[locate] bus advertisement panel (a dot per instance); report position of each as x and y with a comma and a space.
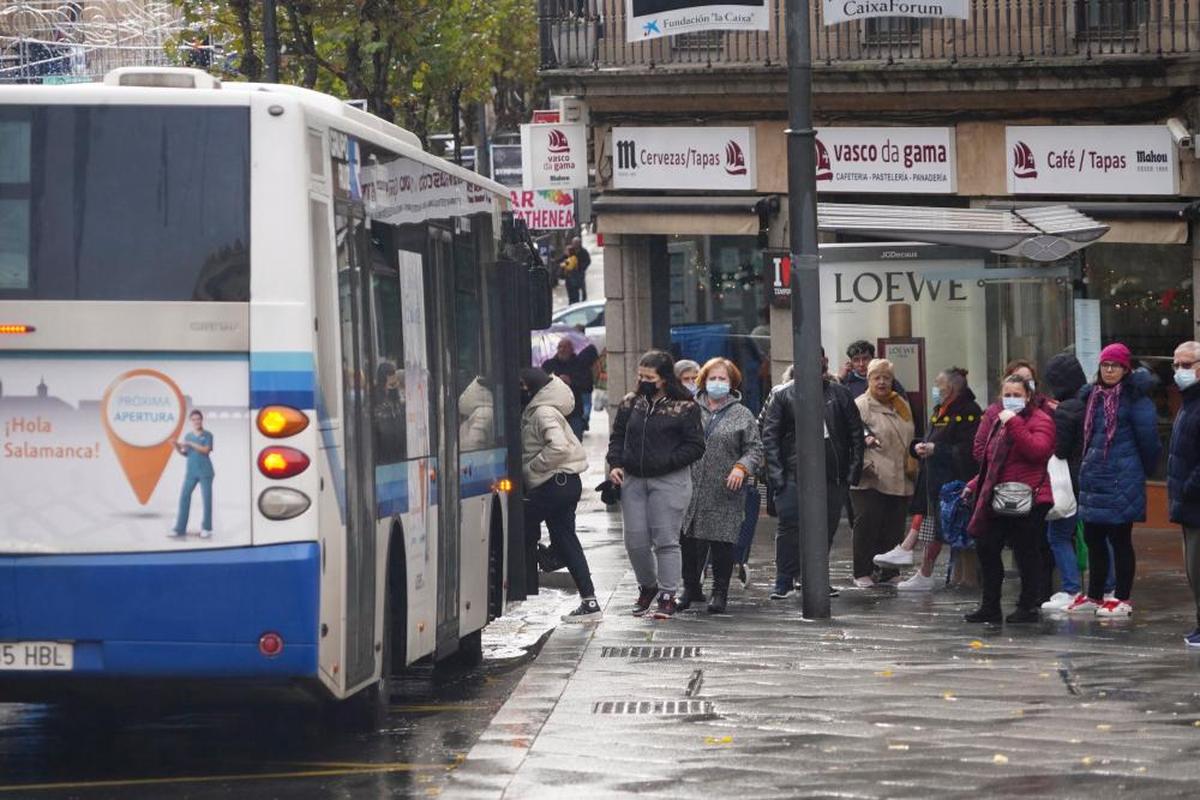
108, 454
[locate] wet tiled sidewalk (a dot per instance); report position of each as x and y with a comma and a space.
895, 697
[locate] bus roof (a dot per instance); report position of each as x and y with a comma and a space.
170, 86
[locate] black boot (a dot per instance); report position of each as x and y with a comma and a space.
1021, 615
984, 614
717, 604
688, 596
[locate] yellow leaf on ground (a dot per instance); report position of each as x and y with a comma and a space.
718, 740
1000, 759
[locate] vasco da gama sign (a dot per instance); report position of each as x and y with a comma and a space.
650, 19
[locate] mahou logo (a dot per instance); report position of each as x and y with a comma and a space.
558, 141
824, 167
1024, 165
735, 160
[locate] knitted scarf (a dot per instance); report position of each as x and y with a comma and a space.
1110, 397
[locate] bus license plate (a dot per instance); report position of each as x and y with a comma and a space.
36, 656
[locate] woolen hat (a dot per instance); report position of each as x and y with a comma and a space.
1118, 353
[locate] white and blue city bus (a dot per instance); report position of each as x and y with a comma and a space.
258, 357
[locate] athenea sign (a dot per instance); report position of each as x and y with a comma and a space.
684, 158
651, 19
1092, 159
835, 11
554, 156
903, 160
545, 209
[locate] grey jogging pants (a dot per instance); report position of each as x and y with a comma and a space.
652, 510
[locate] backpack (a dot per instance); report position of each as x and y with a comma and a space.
955, 514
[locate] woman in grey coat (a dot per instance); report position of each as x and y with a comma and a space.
733, 452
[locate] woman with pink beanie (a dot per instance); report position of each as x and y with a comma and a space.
1120, 448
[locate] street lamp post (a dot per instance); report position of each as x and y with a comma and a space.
271, 41
806, 316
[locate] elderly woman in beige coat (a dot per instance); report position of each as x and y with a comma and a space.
881, 496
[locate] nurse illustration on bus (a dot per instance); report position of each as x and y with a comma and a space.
195, 447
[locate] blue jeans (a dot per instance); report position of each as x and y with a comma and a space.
1061, 535
741, 553
587, 410
185, 502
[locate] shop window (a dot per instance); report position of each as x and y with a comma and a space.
1145, 294
1109, 19
891, 31
719, 306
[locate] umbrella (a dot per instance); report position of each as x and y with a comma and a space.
545, 343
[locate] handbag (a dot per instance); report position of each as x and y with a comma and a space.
1012, 499
956, 514
1064, 493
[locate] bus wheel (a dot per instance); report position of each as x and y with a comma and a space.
470, 650
367, 710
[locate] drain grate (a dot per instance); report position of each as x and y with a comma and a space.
646, 707
647, 651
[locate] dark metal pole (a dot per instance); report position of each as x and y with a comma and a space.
806, 316
483, 153
271, 41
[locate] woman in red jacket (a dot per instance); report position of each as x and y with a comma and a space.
1017, 446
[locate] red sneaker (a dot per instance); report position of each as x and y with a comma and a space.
666, 606
1115, 609
644, 599
1083, 606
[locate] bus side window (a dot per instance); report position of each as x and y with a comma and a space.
15, 202
477, 397
389, 402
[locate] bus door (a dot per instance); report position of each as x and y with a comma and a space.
357, 379
441, 278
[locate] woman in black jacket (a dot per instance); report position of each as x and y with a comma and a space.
946, 456
656, 437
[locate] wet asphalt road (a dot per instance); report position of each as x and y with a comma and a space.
265, 751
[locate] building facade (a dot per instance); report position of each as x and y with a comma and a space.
1028, 103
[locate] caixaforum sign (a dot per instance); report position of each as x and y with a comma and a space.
903, 160
684, 158
651, 19
1091, 159
554, 156
835, 11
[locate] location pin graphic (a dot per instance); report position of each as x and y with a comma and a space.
143, 415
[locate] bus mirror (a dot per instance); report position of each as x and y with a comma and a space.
539, 298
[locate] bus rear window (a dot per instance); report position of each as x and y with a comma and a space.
125, 203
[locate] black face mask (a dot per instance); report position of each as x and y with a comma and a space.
526, 397
647, 389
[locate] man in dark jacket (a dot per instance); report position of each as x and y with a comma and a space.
854, 372
1183, 469
843, 466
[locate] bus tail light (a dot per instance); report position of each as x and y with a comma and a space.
503, 485
281, 462
8, 327
270, 644
281, 503
280, 421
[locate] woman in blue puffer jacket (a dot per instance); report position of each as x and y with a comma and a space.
1120, 448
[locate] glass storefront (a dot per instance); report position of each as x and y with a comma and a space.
719, 306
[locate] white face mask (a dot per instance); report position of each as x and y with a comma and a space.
1013, 404
937, 396
717, 389
691, 386
1185, 378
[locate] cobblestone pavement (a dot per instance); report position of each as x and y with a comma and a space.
895, 697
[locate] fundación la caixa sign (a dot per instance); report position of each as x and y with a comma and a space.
1092, 159
650, 19
684, 158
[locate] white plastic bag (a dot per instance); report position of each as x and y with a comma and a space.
1060, 485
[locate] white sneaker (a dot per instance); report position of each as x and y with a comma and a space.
1058, 602
917, 583
1115, 608
896, 557
864, 582
205, 534
1082, 606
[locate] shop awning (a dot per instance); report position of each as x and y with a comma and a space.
1042, 233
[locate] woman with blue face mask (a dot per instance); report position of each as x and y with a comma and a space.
1010, 498
732, 454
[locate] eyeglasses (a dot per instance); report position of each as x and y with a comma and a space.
1181, 365
1111, 365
